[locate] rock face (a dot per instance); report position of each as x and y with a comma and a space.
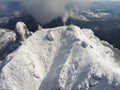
22, 32
69, 58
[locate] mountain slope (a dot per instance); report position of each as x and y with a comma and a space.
7, 38
62, 58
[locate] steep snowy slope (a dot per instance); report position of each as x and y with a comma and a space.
63, 58
7, 37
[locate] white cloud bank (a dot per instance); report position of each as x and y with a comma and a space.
46, 10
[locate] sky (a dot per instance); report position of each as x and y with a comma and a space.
68, 0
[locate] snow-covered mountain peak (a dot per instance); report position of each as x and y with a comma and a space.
62, 58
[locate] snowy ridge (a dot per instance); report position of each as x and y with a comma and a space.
62, 58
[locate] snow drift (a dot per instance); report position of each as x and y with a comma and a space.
62, 58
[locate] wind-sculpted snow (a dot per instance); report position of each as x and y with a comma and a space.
62, 58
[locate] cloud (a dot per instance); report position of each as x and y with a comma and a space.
46, 10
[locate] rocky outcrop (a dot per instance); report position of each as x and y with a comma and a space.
22, 32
